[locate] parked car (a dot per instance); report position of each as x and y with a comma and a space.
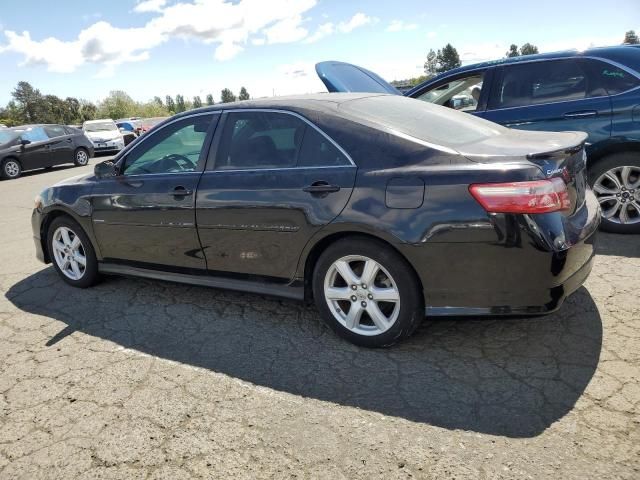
29, 147
2, 125
130, 130
379, 207
596, 91
147, 124
104, 134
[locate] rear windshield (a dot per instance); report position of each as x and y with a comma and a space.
430, 123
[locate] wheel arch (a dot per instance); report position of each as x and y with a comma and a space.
48, 217
615, 146
314, 251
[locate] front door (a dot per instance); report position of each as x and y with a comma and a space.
36, 153
145, 215
273, 182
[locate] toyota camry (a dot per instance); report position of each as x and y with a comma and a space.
381, 209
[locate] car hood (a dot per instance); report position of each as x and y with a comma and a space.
78, 179
104, 135
345, 77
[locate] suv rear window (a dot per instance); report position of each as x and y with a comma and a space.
421, 120
609, 78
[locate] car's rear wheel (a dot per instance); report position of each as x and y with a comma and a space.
72, 254
615, 180
81, 157
11, 168
367, 292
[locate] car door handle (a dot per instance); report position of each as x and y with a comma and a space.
581, 114
321, 187
69, 140
180, 191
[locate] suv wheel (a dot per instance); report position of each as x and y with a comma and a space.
367, 292
615, 180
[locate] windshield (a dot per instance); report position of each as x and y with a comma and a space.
99, 127
422, 121
7, 136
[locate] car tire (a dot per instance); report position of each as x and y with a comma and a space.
62, 237
11, 168
81, 157
381, 303
615, 180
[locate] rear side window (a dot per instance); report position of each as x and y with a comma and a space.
609, 79
540, 82
260, 140
54, 131
318, 151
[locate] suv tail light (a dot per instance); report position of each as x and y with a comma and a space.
539, 196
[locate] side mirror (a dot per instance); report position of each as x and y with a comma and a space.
105, 169
24, 141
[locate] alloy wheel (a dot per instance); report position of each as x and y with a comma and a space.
69, 253
618, 191
81, 157
11, 168
362, 295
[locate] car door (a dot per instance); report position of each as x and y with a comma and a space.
553, 95
35, 152
272, 181
60, 145
145, 214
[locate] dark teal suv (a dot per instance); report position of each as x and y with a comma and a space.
596, 91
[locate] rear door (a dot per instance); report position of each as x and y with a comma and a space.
60, 145
272, 181
552, 95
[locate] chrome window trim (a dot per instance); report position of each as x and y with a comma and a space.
276, 169
588, 57
123, 153
304, 119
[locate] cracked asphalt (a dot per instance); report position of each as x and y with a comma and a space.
141, 379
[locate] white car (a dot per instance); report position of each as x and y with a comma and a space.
104, 134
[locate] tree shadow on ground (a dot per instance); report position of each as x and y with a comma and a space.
511, 377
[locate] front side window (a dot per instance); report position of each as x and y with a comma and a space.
540, 82
260, 140
35, 134
175, 148
460, 94
53, 131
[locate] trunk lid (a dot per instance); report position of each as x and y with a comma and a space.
557, 154
345, 77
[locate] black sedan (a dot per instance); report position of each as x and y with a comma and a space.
380, 208
41, 146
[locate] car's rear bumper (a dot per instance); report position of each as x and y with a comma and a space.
524, 272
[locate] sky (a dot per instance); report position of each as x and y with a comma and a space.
85, 49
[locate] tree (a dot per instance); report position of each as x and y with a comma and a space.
171, 106
528, 49
513, 51
87, 111
227, 96
28, 101
630, 38
210, 99
447, 59
197, 102
158, 102
180, 106
431, 65
117, 105
243, 95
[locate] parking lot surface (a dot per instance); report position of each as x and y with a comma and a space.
144, 379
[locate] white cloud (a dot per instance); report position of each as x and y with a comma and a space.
322, 31
400, 26
149, 6
229, 25
358, 20
432, 35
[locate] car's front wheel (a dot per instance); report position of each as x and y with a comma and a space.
615, 180
367, 293
11, 168
72, 253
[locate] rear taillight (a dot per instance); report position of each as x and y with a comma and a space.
539, 196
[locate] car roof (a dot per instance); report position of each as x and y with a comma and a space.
601, 52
